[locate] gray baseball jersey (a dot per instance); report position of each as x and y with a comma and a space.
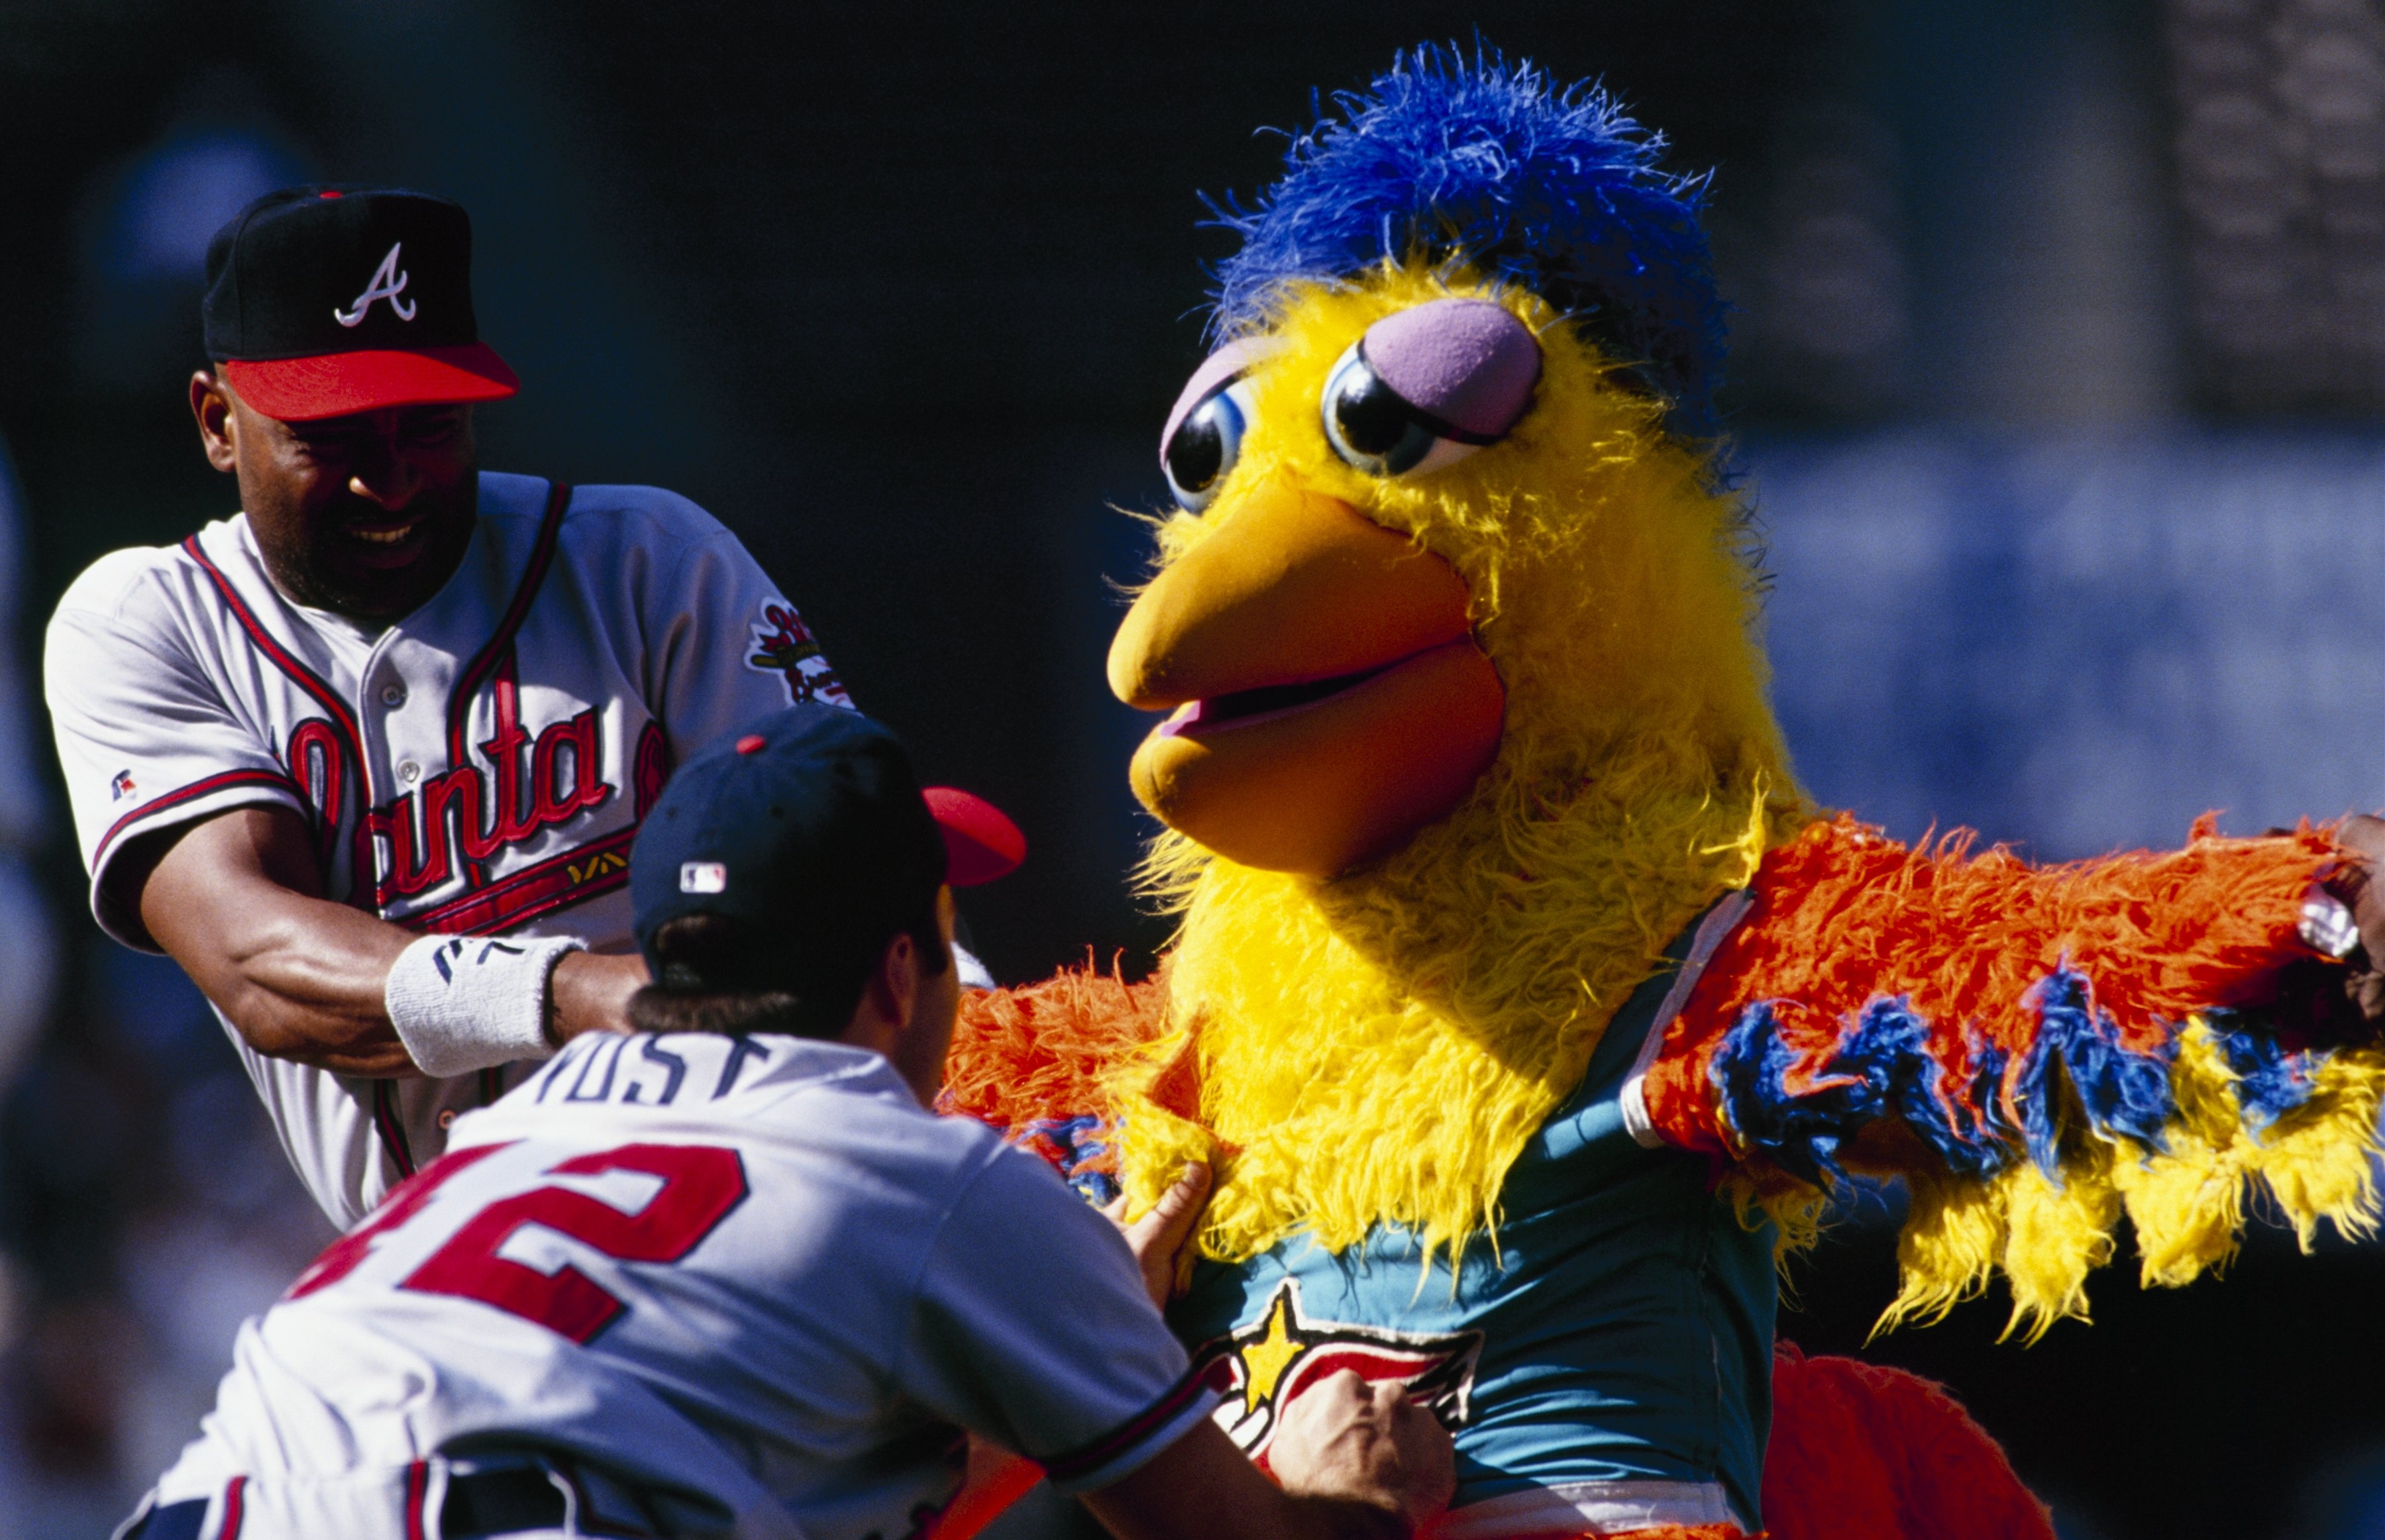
480, 768
751, 1276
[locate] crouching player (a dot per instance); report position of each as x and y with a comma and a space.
726, 1275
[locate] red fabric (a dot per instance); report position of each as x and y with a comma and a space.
980, 842
1845, 917
1861, 1452
997, 1479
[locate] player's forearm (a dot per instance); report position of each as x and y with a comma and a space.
306, 985
591, 992
314, 990
235, 899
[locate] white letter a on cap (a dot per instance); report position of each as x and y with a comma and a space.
387, 284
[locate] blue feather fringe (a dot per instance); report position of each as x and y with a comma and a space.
1883, 1066
2272, 1079
2120, 1092
1484, 162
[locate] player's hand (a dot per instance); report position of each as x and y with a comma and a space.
1364, 1441
1160, 1239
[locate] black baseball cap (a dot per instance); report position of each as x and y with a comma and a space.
810, 829
324, 301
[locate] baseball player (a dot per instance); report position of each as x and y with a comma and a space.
728, 1276
394, 699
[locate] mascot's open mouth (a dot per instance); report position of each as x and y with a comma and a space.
1245, 707
1325, 694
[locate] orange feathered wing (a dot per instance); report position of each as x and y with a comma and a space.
1965, 994
1038, 1061
2035, 1050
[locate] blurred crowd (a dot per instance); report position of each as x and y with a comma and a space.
145, 1206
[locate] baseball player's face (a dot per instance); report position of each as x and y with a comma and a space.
364, 515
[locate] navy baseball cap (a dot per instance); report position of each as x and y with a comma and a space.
810, 829
325, 301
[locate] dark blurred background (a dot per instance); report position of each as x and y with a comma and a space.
2059, 368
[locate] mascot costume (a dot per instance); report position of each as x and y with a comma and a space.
1525, 1006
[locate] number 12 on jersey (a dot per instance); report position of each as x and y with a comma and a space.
701, 1184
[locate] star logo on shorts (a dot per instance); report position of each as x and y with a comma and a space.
1267, 1364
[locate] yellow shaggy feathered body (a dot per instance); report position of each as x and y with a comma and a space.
1378, 1048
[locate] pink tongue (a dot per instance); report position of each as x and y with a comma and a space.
1188, 716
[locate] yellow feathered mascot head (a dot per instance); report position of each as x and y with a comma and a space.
1454, 630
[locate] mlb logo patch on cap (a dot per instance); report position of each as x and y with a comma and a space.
833, 844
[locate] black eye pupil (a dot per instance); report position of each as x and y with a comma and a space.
1374, 421
1198, 451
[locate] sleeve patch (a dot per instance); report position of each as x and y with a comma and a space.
782, 644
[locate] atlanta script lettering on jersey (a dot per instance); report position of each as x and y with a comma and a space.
531, 785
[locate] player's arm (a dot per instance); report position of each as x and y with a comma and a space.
1084, 1387
1357, 1462
235, 899
1354, 1458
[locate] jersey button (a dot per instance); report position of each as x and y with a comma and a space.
393, 695
409, 772
446, 1119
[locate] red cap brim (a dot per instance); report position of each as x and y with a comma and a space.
341, 384
981, 843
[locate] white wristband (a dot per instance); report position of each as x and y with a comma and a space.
462, 1003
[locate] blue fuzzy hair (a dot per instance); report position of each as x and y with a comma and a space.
1482, 162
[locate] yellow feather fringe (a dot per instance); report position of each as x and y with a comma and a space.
2187, 1204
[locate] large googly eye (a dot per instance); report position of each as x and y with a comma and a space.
1369, 426
1204, 436
1205, 446
1429, 386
